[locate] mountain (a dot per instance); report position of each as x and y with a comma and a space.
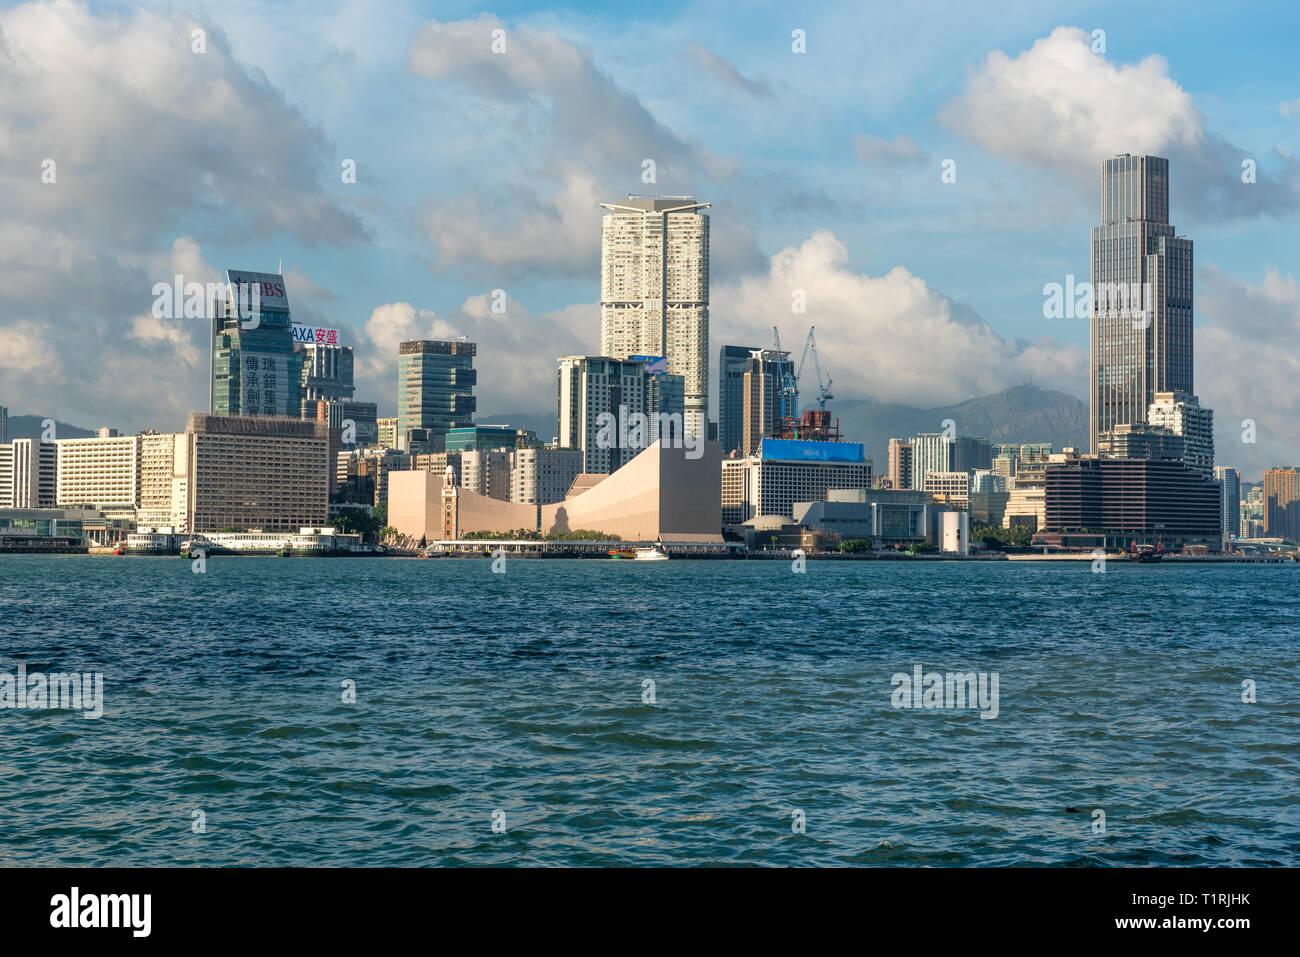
543, 423
1023, 413
29, 427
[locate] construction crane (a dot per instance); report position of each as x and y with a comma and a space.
823, 390
789, 382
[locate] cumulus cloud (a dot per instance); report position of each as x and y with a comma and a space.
578, 139
516, 349
143, 134
142, 130
891, 337
1060, 106
1240, 380
514, 231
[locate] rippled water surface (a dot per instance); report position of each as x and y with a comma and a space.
522, 693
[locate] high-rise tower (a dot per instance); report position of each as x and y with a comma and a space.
435, 390
256, 371
654, 290
1141, 336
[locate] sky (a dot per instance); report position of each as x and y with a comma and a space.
480, 170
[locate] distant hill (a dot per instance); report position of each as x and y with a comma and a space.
29, 427
544, 424
1023, 413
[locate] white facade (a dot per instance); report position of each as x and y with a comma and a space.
931, 452
1183, 415
654, 291
956, 532
99, 473
753, 486
28, 474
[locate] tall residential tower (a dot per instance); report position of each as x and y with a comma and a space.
654, 290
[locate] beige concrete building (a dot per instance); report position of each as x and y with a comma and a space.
900, 464
164, 488
1026, 497
255, 473
654, 290
660, 495
760, 394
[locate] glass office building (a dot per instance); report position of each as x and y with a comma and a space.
1141, 335
731, 395
256, 371
435, 389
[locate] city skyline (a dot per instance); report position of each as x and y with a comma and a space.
894, 329
605, 436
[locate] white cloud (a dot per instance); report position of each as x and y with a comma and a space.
516, 350
575, 137
144, 134
891, 337
1240, 377
1060, 106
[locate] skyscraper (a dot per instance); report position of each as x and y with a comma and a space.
4, 425
1230, 499
971, 452
731, 395
591, 389
255, 368
654, 290
435, 388
760, 393
1141, 322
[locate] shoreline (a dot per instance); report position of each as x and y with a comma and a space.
562, 554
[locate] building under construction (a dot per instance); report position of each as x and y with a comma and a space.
813, 424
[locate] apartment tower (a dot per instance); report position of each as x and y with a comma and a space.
654, 290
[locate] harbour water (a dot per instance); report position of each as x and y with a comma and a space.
625, 713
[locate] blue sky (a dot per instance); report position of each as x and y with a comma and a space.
478, 171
